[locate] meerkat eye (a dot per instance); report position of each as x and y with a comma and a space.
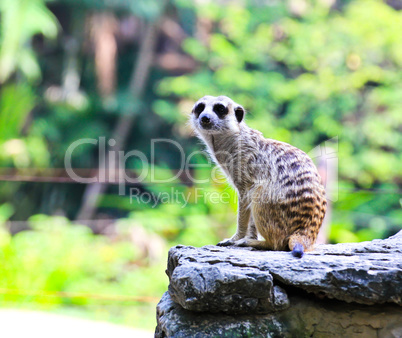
220, 110
239, 113
198, 109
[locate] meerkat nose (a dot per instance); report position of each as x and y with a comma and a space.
205, 120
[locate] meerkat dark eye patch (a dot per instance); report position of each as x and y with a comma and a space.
239, 113
220, 110
199, 109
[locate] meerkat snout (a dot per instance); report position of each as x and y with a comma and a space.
280, 191
205, 121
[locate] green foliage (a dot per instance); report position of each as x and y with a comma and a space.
37, 261
16, 103
20, 20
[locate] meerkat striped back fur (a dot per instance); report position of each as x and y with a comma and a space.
279, 189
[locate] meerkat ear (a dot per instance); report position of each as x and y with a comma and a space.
239, 113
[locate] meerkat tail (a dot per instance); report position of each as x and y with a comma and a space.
298, 244
298, 250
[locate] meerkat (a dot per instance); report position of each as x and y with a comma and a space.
280, 194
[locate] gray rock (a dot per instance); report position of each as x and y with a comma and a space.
243, 280
220, 288
303, 318
174, 321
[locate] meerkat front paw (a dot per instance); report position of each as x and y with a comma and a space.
229, 241
242, 242
226, 242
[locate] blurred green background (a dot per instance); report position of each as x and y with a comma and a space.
306, 71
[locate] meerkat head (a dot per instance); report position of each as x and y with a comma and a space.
214, 115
